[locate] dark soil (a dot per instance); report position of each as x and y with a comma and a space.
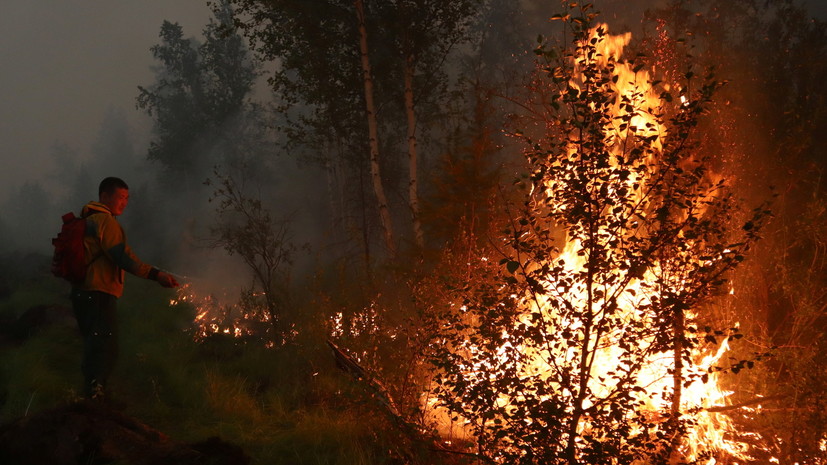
87, 432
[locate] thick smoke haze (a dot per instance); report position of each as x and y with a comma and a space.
66, 65
69, 82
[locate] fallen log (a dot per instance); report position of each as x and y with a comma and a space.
414, 433
347, 364
740, 405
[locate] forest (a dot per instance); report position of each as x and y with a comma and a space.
449, 232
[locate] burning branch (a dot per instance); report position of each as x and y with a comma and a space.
377, 389
584, 347
747, 403
410, 429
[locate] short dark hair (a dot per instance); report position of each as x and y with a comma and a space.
109, 185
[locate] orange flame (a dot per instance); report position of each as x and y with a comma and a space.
214, 316
712, 431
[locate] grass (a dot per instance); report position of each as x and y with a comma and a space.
38, 375
282, 406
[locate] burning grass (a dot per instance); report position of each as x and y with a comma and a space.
586, 332
288, 406
587, 343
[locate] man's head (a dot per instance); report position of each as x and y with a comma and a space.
114, 193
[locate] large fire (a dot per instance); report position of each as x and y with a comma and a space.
221, 314
712, 433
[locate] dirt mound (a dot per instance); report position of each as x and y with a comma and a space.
16, 330
89, 433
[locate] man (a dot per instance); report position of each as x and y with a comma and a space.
94, 300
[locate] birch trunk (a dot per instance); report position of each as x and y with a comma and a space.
413, 190
679, 327
381, 199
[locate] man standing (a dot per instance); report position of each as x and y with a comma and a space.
94, 300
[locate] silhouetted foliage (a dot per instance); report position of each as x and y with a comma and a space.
199, 88
776, 50
355, 129
246, 228
623, 235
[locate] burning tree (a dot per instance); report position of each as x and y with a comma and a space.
585, 342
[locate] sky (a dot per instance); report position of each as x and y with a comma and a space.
66, 63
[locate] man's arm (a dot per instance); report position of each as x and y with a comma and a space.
165, 279
113, 242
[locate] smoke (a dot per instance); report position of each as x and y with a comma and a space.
65, 65
69, 120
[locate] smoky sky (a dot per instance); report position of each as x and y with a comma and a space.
66, 63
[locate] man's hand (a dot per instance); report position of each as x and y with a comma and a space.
166, 280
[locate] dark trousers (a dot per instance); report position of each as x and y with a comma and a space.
97, 319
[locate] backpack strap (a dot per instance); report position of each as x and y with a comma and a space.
99, 255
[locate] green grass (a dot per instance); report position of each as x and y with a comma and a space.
282, 406
30, 293
40, 373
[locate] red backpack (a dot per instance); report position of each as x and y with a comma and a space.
69, 260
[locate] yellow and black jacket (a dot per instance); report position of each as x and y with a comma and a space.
108, 254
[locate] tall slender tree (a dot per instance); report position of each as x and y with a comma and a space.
320, 84
423, 34
622, 235
373, 131
199, 87
384, 58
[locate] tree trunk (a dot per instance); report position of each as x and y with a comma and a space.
373, 133
365, 222
678, 328
334, 199
413, 190
677, 375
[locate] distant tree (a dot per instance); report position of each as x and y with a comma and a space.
323, 89
352, 85
76, 185
423, 33
248, 229
464, 184
113, 153
622, 236
31, 217
464, 180
198, 88
176, 102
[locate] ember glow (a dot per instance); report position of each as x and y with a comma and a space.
220, 314
710, 433
697, 395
